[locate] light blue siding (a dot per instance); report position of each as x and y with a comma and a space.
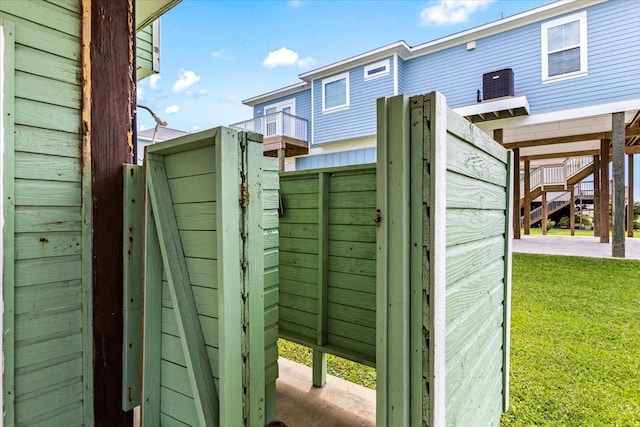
303, 107
360, 118
613, 74
344, 158
401, 76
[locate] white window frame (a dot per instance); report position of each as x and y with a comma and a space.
279, 106
544, 28
387, 70
332, 79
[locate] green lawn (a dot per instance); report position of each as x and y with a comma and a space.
566, 232
575, 352
575, 343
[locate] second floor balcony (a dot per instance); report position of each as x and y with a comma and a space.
281, 131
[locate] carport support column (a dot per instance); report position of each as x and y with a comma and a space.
596, 195
498, 135
604, 191
617, 128
631, 201
572, 210
527, 197
544, 219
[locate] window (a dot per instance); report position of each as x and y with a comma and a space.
375, 70
564, 47
335, 93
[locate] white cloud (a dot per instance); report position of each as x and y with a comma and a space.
172, 109
140, 93
194, 128
307, 62
197, 93
295, 3
284, 56
153, 81
187, 79
142, 127
447, 12
217, 53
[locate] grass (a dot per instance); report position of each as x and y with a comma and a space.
575, 349
336, 366
575, 343
566, 232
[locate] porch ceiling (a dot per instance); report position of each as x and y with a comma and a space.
570, 137
148, 11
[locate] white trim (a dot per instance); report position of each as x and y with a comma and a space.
279, 106
556, 116
581, 17
278, 93
395, 74
439, 266
155, 46
342, 76
500, 104
367, 72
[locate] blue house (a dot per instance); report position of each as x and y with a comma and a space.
547, 83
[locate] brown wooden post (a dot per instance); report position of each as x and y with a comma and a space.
281, 157
544, 220
527, 197
604, 191
498, 135
113, 127
596, 195
572, 210
617, 140
630, 199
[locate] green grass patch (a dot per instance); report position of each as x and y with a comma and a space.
575, 352
565, 232
336, 366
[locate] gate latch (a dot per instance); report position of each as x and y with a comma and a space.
378, 218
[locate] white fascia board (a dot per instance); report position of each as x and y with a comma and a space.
287, 90
400, 47
630, 105
500, 104
519, 20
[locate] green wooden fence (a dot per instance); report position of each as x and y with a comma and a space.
210, 322
328, 261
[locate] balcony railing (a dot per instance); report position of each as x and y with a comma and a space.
276, 124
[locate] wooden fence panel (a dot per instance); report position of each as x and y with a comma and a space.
327, 261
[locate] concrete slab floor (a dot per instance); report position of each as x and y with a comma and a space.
337, 404
574, 246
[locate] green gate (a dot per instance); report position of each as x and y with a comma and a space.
206, 357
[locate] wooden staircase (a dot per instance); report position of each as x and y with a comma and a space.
556, 178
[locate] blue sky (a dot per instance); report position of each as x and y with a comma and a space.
214, 54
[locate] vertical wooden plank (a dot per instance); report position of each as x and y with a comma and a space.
508, 268
516, 193
229, 275
254, 280
438, 261
527, 197
617, 140
596, 195
572, 210
319, 357
112, 135
630, 202
7, 218
152, 324
420, 114
87, 218
395, 282
544, 220
132, 289
604, 191
195, 353
382, 265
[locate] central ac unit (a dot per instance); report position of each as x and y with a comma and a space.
497, 84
